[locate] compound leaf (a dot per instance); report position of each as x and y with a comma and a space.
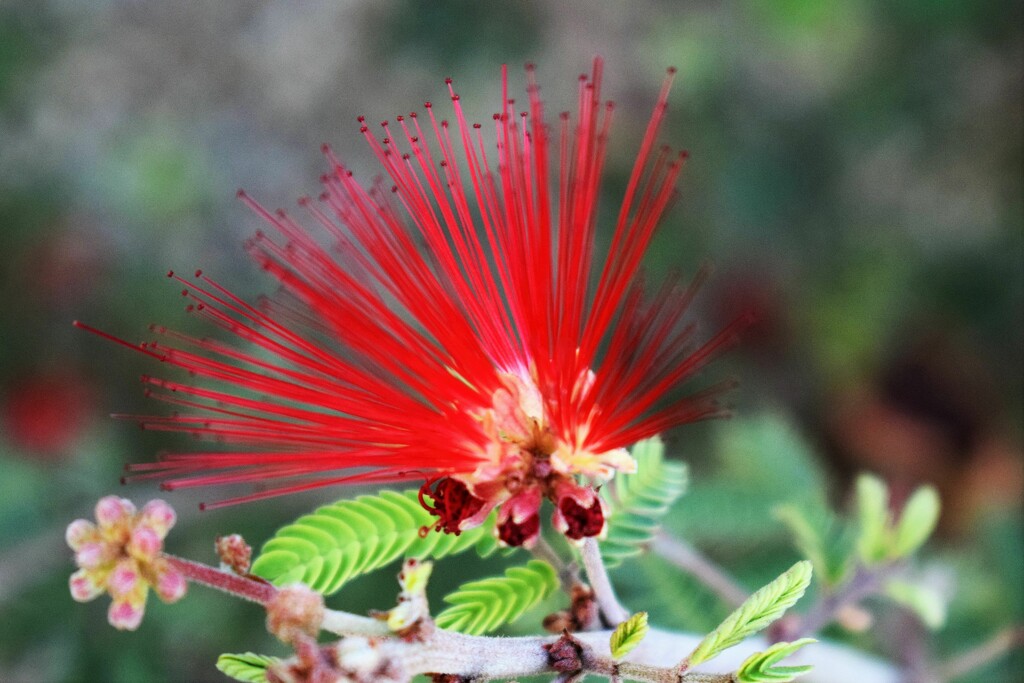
628, 635
483, 606
343, 540
248, 667
639, 501
759, 610
760, 666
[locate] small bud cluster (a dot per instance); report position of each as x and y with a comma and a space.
350, 660
582, 615
565, 655
295, 611
410, 618
121, 554
234, 553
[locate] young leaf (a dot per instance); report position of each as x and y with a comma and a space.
821, 538
248, 667
917, 521
760, 666
628, 635
873, 519
639, 501
483, 606
352, 537
759, 610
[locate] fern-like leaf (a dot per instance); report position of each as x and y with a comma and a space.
483, 606
352, 537
628, 635
639, 501
248, 667
760, 666
759, 610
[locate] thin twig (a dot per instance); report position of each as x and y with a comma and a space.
614, 613
568, 573
693, 562
864, 583
248, 588
999, 645
488, 658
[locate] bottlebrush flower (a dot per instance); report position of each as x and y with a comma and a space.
121, 554
454, 322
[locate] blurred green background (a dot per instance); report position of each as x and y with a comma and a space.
856, 177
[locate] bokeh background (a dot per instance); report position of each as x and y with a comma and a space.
856, 177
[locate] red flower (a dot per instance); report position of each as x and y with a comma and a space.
446, 324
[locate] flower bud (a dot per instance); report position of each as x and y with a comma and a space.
111, 511
125, 615
234, 553
93, 555
579, 511
84, 586
171, 585
145, 543
159, 516
80, 532
124, 580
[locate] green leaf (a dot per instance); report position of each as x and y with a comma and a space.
920, 599
760, 666
248, 667
483, 606
759, 610
628, 635
639, 501
820, 537
352, 537
873, 519
917, 521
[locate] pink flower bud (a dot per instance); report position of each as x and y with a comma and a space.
93, 555
159, 516
171, 585
145, 543
83, 586
111, 510
80, 532
124, 579
125, 615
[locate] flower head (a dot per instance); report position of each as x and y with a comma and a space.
121, 554
454, 322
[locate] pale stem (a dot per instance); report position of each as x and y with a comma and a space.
480, 658
348, 624
487, 658
865, 583
568, 574
996, 647
693, 562
614, 613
